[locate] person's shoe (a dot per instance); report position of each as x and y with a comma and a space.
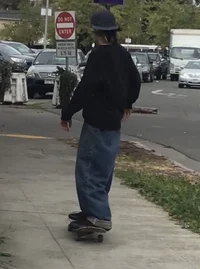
75, 225
76, 216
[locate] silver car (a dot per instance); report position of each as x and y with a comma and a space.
41, 75
138, 65
190, 75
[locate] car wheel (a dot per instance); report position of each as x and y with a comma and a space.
172, 78
158, 76
151, 77
31, 94
180, 85
146, 79
164, 76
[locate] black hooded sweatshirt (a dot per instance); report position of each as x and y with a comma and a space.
110, 84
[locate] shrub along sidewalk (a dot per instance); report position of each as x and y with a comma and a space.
160, 181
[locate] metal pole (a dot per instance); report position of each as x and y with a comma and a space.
67, 63
46, 24
107, 6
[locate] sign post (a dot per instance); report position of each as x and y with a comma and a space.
65, 35
128, 41
46, 12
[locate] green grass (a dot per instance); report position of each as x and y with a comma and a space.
174, 193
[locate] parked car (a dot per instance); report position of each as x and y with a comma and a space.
41, 75
146, 64
23, 49
87, 55
160, 65
20, 62
36, 51
190, 75
138, 65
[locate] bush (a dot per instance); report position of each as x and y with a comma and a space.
5, 78
68, 82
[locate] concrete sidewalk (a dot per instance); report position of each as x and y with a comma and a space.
37, 191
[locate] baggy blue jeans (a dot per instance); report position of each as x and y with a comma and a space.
94, 170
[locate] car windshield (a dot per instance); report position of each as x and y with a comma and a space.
153, 56
141, 57
49, 58
193, 65
9, 50
21, 47
135, 60
184, 53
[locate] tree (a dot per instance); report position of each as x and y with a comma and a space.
170, 14
11, 4
130, 19
29, 29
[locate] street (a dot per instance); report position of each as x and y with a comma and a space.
177, 124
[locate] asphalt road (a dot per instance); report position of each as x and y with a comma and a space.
176, 126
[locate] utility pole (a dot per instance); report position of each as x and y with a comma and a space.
46, 24
107, 6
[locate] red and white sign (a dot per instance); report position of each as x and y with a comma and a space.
65, 25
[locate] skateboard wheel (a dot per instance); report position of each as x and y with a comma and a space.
100, 238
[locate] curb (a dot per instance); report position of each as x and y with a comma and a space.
145, 110
178, 165
136, 110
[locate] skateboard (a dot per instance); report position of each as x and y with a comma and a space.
89, 232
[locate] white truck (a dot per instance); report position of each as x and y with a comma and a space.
184, 46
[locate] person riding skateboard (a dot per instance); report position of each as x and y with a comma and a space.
109, 87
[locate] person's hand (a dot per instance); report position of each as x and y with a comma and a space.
127, 114
66, 125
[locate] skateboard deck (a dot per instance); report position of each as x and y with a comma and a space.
89, 232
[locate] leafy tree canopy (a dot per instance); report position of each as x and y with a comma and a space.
144, 21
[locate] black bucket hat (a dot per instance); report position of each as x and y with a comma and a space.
104, 20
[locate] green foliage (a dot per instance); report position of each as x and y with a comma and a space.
5, 78
144, 21
29, 29
128, 17
68, 82
11, 4
175, 194
170, 14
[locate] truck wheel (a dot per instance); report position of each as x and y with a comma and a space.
158, 76
164, 76
172, 78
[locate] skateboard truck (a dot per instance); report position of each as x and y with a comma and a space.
88, 232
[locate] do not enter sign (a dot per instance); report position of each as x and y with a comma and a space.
65, 25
